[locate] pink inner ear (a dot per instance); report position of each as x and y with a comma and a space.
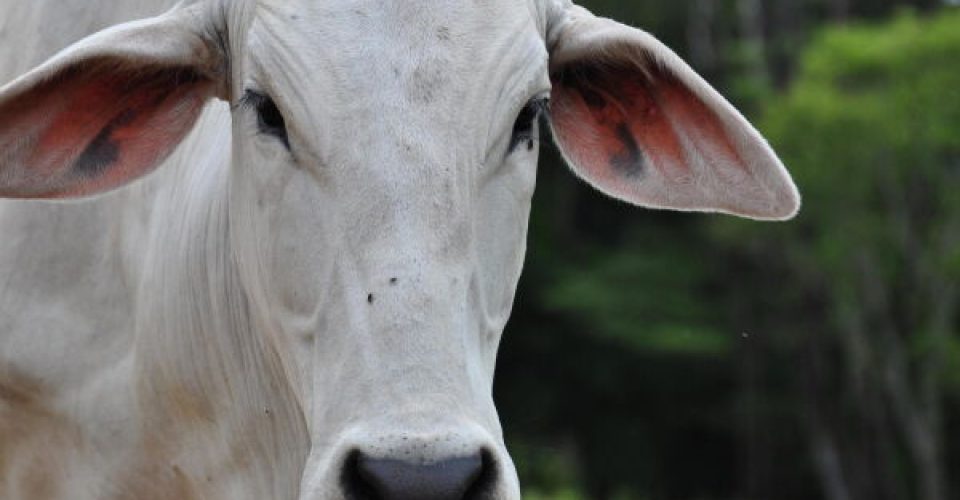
622, 125
100, 127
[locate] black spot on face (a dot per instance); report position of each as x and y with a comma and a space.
370, 298
102, 150
630, 160
393, 281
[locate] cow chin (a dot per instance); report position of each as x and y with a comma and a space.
423, 456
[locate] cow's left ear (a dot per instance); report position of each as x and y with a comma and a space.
108, 109
639, 124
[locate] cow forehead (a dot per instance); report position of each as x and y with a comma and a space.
402, 64
385, 32
399, 104
406, 17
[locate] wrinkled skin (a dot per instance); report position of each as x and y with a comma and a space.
306, 299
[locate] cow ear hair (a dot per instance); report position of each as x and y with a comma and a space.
637, 123
108, 109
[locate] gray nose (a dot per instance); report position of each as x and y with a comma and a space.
393, 479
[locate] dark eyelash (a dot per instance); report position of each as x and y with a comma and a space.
269, 118
526, 121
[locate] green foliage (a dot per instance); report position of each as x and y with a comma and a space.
878, 100
603, 295
869, 131
552, 470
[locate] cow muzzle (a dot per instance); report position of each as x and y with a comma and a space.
444, 463
468, 476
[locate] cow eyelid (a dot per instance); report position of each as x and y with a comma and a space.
270, 120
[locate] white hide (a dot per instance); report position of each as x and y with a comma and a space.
236, 324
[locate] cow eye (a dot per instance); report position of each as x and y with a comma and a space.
269, 118
524, 128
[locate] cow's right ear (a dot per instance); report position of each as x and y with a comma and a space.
108, 109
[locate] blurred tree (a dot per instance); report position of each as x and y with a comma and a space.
869, 130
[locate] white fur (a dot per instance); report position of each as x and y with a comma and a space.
233, 325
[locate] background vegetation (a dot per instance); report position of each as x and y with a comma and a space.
655, 355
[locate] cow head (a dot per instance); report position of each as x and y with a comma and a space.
383, 162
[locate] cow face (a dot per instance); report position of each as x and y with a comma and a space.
393, 154
407, 166
383, 158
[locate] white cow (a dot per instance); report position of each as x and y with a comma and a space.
306, 299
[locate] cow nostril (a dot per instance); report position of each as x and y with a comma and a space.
459, 478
